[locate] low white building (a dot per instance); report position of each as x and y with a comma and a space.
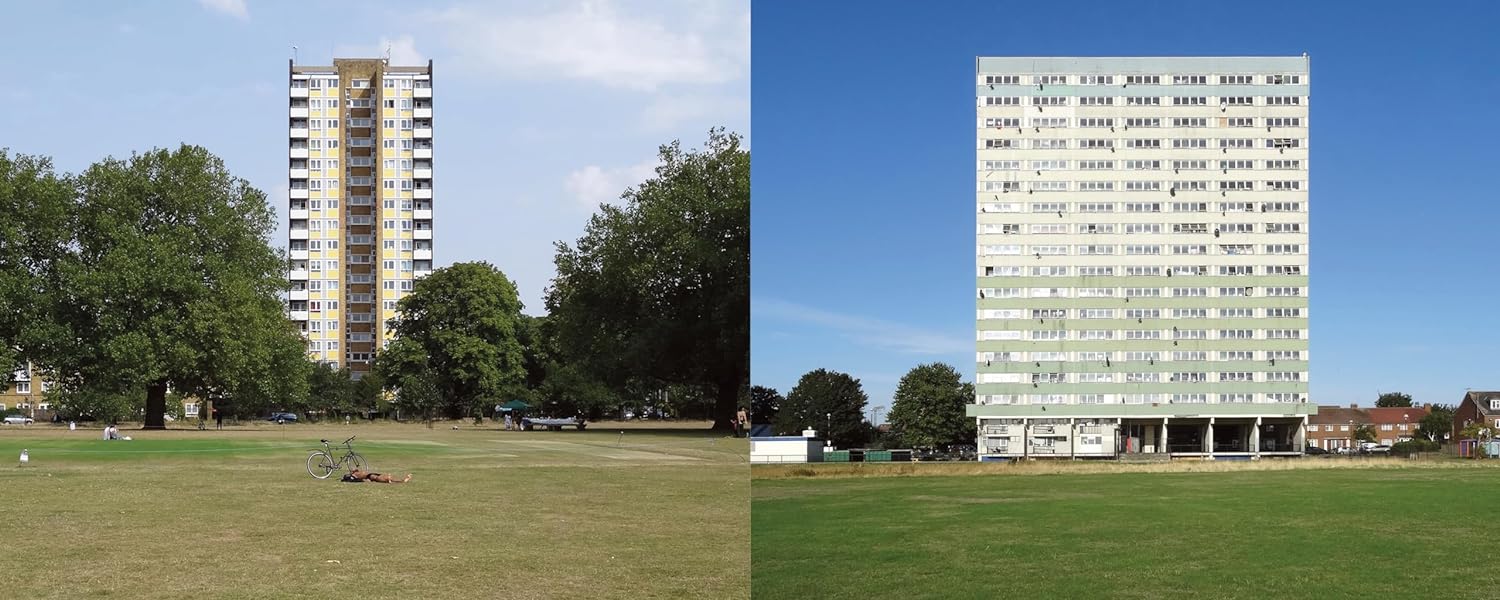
786, 449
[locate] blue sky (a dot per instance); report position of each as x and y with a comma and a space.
863, 220
542, 110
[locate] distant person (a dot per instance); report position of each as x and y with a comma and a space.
218, 418
741, 421
507, 421
378, 477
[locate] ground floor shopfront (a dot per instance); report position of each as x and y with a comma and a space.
1246, 431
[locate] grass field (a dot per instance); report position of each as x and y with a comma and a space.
656, 513
1387, 529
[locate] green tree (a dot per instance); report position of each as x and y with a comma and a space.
1393, 400
659, 288
830, 402
330, 390
457, 331
928, 411
765, 403
1364, 432
34, 206
1438, 424
168, 280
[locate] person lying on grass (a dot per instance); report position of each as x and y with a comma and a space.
378, 477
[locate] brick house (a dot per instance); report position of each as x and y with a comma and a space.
1333, 426
1476, 406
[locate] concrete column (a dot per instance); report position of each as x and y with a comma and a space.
1208, 437
1299, 443
1073, 439
1161, 444
1255, 438
1025, 438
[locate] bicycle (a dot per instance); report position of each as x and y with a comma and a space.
321, 464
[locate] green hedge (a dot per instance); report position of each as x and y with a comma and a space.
1414, 446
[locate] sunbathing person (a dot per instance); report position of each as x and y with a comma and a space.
378, 477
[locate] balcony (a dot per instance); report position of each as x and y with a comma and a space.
422, 153
299, 133
422, 133
422, 254
422, 213
299, 153
422, 193
299, 112
425, 92
299, 173
297, 295
297, 193
297, 275
299, 315
297, 234
299, 255
420, 273
422, 113
298, 214
299, 92
422, 234
422, 173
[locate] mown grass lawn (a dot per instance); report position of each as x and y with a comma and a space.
489, 514
1317, 533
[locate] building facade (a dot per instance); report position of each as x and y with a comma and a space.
1476, 407
1333, 427
360, 200
1142, 256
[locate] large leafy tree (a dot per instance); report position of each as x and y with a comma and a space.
1438, 424
928, 411
34, 205
168, 281
659, 287
1393, 400
330, 390
765, 404
830, 402
457, 335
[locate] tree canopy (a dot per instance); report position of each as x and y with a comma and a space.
765, 403
1393, 400
34, 206
830, 402
1437, 425
928, 411
658, 288
167, 280
456, 342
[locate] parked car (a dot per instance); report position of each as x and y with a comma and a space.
1346, 450
1380, 449
282, 417
18, 420
1314, 450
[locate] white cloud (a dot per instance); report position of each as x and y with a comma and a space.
403, 50
593, 41
233, 8
125, 28
667, 112
877, 333
593, 185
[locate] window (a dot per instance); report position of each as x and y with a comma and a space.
1143, 101
1189, 207
1190, 144
1236, 79
1096, 144
1002, 79
1189, 101
1236, 164
1236, 101
1048, 165
1096, 165
1142, 207
1284, 143
1190, 122
1096, 101
1095, 207
1143, 186
1142, 80
1236, 143
1283, 79
1049, 144
1142, 122
1284, 165
1189, 79
1283, 100
1131, 228
997, 122
1049, 79
1049, 100
1096, 122
1195, 165
1096, 79
1143, 143
1002, 101
1284, 122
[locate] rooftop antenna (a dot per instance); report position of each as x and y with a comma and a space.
294, 55
387, 53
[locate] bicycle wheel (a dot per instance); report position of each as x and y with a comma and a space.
320, 465
357, 462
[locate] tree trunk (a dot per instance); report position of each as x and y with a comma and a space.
726, 400
156, 405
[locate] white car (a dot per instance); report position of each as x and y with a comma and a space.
18, 420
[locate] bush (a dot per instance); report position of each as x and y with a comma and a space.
1414, 446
